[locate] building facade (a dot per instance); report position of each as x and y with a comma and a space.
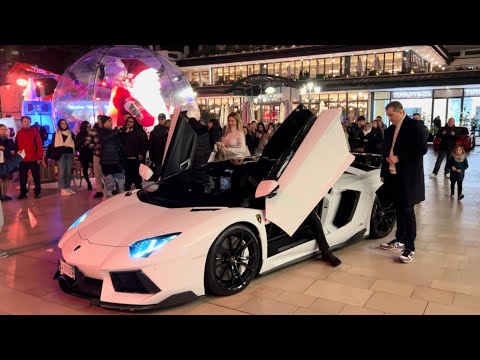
359, 79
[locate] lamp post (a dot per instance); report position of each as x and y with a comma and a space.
309, 91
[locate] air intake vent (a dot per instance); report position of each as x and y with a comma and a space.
133, 282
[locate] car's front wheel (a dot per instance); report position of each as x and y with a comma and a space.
233, 261
382, 219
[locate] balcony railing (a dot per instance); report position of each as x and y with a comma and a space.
451, 68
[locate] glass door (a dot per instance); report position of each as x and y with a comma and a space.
454, 109
440, 110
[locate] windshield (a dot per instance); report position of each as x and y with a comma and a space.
189, 181
229, 183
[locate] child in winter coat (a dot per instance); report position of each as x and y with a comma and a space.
457, 164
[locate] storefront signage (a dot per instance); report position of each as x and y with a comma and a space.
472, 92
270, 97
412, 94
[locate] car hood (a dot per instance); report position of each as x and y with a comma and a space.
122, 220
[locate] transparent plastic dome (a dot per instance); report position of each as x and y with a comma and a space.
122, 80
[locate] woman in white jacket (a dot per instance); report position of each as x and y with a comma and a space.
64, 142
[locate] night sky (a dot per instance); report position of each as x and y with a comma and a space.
57, 58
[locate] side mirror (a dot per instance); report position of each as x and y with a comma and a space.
145, 172
267, 188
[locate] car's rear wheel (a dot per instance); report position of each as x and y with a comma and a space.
233, 261
382, 219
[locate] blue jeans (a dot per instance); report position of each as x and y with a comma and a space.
65, 164
112, 181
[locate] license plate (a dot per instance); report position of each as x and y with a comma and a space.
66, 269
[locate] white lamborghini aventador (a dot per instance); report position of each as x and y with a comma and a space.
212, 230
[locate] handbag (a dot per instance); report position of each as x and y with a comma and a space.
54, 153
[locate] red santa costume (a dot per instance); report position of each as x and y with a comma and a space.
137, 92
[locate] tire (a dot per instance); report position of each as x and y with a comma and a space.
233, 261
382, 219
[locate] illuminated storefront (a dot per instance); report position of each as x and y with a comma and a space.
399, 62
353, 104
471, 105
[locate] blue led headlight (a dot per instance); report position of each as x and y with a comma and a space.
143, 248
79, 220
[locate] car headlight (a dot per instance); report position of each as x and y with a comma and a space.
143, 248
79, 220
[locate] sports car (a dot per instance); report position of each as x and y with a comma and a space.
212, 229
465, 139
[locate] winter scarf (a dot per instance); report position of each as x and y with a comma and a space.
459, 158
59, 139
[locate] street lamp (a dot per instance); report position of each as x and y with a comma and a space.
309, 91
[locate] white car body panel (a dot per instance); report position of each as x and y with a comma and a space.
99, 245
305, 175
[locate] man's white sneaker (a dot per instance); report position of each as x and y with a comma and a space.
65, 192
407, 256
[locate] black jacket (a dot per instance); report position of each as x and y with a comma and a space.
10, 165
251, 141
86, 154
409, 184
214, 133
111, 150
374, 142
134, 142
10, 146
157, 143
355, 136
448, 140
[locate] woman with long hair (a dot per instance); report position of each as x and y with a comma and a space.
64, 139
232, 144
264, 134
7, 149
85, 153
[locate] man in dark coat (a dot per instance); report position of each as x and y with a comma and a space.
402, 173
355, 132
418, 117
448, 136
158, 142
214, 132
134, 142
112, 157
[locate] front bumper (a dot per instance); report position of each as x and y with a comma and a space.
89, 288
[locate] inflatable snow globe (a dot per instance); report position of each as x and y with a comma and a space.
121, 80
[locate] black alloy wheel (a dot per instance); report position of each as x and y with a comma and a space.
382, 219
233, 261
